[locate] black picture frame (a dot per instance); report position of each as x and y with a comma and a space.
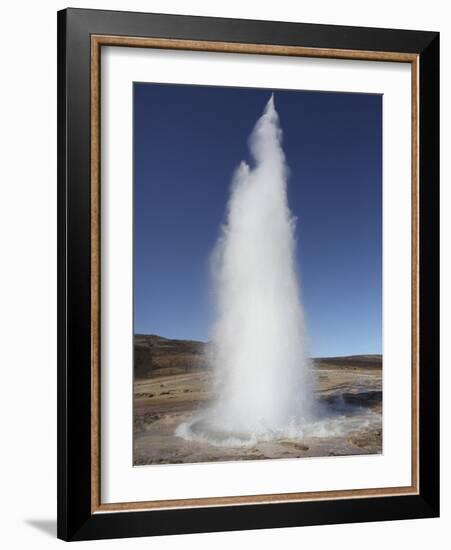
76, 520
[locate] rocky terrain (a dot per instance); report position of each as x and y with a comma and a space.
172, 383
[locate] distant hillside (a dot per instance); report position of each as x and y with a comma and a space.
362, 361
155, 355
158, 356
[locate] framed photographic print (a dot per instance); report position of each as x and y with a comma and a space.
248, 274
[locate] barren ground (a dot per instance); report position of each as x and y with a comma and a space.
348, 389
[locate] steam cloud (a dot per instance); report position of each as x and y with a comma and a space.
261, 370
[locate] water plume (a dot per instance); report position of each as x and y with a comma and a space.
262, 373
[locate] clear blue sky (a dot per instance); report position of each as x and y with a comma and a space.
188, 140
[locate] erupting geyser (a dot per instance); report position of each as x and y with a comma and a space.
262, 372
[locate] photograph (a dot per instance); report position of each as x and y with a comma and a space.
257, 274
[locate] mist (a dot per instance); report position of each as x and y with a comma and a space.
258, 354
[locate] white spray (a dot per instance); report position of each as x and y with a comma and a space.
262, 373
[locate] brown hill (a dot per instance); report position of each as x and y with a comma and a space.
155, 356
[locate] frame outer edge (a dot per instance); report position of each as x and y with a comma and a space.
74, 376
429, 274
207, 28
62, 496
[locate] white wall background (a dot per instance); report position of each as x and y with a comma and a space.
28, 271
